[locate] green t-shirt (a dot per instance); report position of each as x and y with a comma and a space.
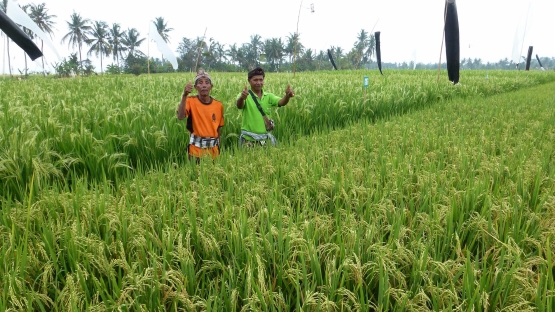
252, 119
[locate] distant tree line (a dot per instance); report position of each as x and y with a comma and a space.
274, 54
475, 64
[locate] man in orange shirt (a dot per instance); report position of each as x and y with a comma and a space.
205, 117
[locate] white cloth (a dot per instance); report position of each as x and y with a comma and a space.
20, 17
162, 46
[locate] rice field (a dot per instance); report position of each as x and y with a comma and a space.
411, 196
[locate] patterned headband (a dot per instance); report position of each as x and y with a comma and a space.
202, 74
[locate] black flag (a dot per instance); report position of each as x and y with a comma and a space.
331, 59
378, 51
19, 37
452, 44
540, 62
529, 57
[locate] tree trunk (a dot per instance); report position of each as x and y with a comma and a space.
80, 60
25, 56
42, 50
9, 61
3, 54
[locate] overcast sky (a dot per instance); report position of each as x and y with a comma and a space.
410, 29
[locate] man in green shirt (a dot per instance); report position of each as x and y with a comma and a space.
257, 124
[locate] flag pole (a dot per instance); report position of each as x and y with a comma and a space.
524, 35
4, 55
8, 49
442, 40
9, 62
148, 52
199, 48
296, 40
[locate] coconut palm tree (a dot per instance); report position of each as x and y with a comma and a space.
212, 53
202, 50
232, 53
320, 57
187, 54
256, 46
306, 61
78, 29
219, 52
99, 41
370, 47
274, 52
132, 42
293, 47
244, 56
116, 38
39, 15
338, 51
162, 28
360, 47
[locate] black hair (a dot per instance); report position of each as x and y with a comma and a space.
256, 72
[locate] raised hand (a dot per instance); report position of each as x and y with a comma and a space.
188, 88
245, 93
289, 92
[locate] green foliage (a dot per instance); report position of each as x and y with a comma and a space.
67, 68
71, 68
87, 68
135, 65
113, 69
141, 65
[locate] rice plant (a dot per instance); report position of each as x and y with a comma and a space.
439, 204
100, 128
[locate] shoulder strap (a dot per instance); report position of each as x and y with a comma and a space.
257, 104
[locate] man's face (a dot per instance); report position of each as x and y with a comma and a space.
203, 86
256, 82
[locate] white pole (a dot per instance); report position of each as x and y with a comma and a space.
148, 51
524, 34
43, 67
4, 56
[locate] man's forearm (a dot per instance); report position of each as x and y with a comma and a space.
181, 108
284, 100
240, 103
